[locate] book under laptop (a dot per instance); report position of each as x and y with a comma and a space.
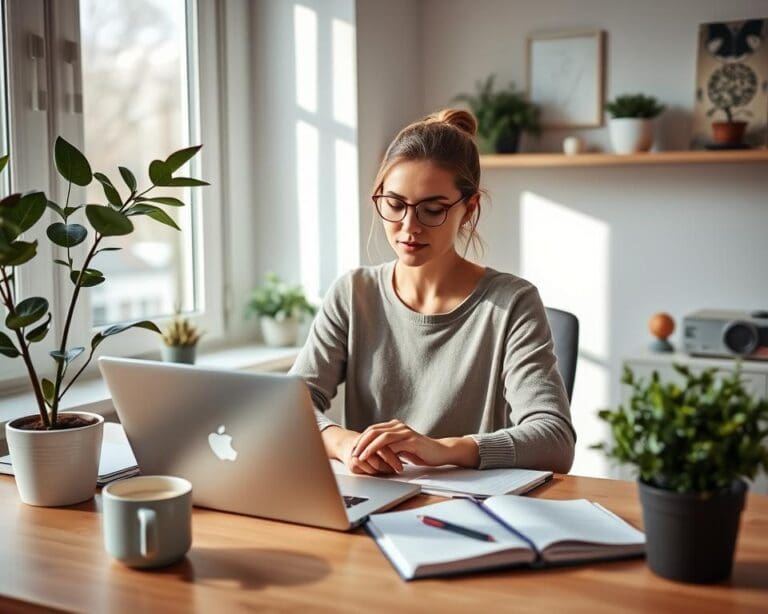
248, 442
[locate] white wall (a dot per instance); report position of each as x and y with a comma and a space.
613, 245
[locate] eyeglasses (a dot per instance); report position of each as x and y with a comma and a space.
429, 213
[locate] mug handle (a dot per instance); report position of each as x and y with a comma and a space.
148, 532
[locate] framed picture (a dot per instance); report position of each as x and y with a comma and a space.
565, 77
732, 80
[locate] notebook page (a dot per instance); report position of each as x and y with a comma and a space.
546, 522
412, 544
448, 479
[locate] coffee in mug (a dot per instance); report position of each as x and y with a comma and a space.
147, 520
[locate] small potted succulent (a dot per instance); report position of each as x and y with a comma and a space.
502, 116
55, 455
693, 446
180, 339
281, 310
730, 87
631, 125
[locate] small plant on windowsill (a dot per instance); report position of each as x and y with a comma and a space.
35, 441
180, 339
281, 309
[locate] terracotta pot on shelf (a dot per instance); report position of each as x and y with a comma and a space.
728, 133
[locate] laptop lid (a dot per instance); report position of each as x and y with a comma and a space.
248, 442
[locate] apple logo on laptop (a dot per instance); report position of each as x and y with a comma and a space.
221, 444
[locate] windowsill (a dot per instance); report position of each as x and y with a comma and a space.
92, 395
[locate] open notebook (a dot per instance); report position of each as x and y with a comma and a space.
448, 480
532, 532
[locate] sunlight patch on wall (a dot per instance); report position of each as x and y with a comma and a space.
344, 67
565, 253
347, 211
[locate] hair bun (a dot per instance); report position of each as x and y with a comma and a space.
458, 118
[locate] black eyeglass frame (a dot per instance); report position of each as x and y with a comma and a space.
446, 208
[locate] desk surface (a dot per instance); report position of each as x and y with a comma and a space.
55, 558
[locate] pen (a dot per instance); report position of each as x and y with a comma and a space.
449, 526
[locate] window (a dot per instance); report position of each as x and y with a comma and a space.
122, 81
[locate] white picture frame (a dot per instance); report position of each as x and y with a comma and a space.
565, 77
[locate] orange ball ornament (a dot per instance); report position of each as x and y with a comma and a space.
661, 325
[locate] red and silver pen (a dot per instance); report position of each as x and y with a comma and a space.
449, 526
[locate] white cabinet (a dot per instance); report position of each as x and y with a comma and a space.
754, 375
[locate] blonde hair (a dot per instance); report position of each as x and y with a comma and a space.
446, 138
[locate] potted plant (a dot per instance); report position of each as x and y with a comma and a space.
501, 116
692, 445
631, 125
280, 309
731, 86
180, 339
55, 455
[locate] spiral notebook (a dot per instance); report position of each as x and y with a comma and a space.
527, 532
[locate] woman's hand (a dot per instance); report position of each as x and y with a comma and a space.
340, 444
411, 445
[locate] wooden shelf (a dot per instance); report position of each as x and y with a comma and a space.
546, 160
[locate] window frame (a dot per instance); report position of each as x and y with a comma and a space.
31, 145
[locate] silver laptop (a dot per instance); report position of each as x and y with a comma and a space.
249, 443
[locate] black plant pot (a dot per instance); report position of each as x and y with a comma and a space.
690, 538
508, 142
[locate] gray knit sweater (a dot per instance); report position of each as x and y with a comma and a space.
485, 369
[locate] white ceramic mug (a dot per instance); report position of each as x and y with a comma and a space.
148, 520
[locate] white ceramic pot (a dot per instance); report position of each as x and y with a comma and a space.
631, 135
279, 333
56, 468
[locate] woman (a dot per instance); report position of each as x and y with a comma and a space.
445, 361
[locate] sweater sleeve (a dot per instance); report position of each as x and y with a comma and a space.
322, 362
542, 435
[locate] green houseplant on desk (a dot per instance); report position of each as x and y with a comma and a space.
56, 455
692, 446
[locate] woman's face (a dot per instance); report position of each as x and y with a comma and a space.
420, 181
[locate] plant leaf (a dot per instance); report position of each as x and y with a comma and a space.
128, 177
59, 211
48, 389
178, 158
70, 210
119, 328
108, 222
163, 200
26, 211
159, 173
7, 348
113, 196
9, 201
28, 311
72, 164
186, 182
66, 235
107, 249
156, 213
39, 333
3, 162
90, 278
17, 253
63, 263
67, 356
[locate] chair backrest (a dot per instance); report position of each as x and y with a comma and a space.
565, 334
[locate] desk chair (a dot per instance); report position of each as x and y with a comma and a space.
565, 334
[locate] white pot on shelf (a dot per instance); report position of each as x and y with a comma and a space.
57, 467
279, 333
631, 134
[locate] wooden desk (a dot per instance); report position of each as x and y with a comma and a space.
55, 558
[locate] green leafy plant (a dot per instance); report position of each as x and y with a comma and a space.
501, 112
731, 86
696, 438
634, 105
277, 300
181, 332
26, 319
